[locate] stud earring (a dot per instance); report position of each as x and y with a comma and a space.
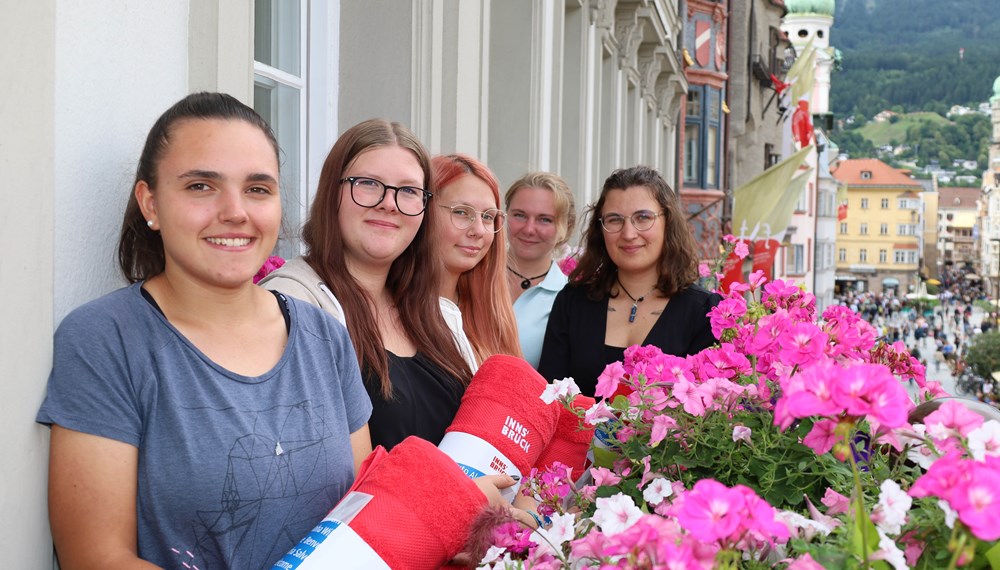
149, 223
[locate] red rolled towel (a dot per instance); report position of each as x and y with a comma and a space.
418, 516
572, 439
502, 425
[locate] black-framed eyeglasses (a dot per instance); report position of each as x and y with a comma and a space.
641, 221
369, 192
463, 217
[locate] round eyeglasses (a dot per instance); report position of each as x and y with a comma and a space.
641, 221
369, 192
463, 217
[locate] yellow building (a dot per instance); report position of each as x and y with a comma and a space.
879, 241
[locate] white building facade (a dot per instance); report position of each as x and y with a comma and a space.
578, 87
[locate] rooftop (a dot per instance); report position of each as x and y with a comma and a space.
872, 172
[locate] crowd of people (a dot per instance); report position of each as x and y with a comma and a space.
937, 332
414, 273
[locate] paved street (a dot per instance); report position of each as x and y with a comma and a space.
938, 371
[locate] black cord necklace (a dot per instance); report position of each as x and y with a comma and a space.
635, 302
527, 280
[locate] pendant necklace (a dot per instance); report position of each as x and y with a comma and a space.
635, 302
526, 281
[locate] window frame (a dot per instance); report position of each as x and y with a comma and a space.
295, 173
700, 170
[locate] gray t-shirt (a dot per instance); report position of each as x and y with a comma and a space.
233, 470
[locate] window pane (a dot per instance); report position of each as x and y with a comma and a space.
691, 149
276, 39
694, 103
278, 104
711, 157
714, 105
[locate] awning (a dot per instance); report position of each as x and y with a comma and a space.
890, 282
933, 282
972, 277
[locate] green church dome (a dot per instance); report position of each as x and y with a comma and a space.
996, 90
823, 7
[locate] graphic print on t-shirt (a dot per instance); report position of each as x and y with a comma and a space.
277, 477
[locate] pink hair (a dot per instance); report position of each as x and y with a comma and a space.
483, 295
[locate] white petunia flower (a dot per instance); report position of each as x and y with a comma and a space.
888, 551
616, 514
550, 540
492, 555
565, 390
893, 504
657, 490
985, 440
742, 433
950, 514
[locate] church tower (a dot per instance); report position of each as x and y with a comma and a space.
811, 20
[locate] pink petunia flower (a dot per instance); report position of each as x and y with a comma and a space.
823, 436
711, 511
607, 382
950, 420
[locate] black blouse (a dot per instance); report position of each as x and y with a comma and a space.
424, 401
574, 338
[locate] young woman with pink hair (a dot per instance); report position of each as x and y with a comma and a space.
472, 246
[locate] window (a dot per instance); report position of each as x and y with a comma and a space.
866, 174
863, 229
842, 254
883, 229
279, 96
909, 204
703, 136
863, 255
883, 255
906, 229
899, 256
795, 258
864, 203
843, 227
905, 256
885, 203
770, 157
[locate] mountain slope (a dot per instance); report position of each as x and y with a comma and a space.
907, 53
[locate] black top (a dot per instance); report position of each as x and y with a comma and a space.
574, 338
424, 401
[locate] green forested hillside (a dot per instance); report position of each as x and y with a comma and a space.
906, 53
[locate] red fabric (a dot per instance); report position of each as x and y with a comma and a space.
422, 508
572, 439
502, 406
802, 128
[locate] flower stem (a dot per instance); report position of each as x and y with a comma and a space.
859, 509
958, 551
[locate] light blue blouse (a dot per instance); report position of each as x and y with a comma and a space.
532, 310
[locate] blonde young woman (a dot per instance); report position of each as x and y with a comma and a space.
470, 241
540, 219
370, 262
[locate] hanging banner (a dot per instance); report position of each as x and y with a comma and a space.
762, 212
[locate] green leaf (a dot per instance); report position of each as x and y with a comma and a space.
993, 555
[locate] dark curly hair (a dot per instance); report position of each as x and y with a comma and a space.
678, 265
